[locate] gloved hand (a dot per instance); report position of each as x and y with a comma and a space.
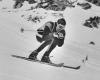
55, 35
58, 35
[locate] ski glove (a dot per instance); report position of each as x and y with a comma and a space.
58, 35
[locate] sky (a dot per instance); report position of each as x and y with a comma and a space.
75, 49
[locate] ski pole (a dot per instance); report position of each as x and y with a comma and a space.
22, 30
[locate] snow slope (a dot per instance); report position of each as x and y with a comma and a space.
75, 49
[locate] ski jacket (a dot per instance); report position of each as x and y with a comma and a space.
46, 32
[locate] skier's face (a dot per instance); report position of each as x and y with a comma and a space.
60, 27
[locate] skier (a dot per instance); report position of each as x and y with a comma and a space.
51, 34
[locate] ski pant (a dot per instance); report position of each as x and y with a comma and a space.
51, 43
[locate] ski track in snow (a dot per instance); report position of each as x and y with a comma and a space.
75, 49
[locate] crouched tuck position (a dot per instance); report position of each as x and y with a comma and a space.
51, 34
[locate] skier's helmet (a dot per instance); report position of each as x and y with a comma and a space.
61, 23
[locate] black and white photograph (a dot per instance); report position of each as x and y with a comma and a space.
49, 39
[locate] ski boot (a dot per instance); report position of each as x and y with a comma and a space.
33, 55
46, 59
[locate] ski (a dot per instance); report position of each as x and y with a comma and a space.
77, 67
51, 64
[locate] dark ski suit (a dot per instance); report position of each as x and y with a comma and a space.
46, 33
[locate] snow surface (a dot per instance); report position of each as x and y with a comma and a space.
75, 49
